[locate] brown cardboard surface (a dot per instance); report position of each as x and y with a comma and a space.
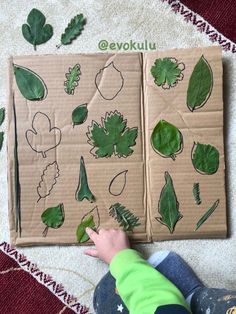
143, 104
204, 125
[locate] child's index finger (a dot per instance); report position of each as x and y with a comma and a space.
91, 233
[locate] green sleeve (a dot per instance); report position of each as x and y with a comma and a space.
142, 288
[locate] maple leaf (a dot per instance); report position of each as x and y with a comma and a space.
112, 136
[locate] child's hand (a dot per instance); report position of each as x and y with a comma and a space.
108, 243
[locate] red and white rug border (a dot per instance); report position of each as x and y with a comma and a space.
45, 279
202, 25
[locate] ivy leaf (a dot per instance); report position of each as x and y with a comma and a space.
36, 32
200, 85
167, 72
72, 79
168, 205
79, 114
125, 218
112, 136
29, 83
2, 115
1, 139
205, 158
53, 217
73, 30
81, 233
207, 214
166, 139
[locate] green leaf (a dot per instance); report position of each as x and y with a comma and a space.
73, 30
205, 158
112, 136
125, 218
200, 85
168, 205
207, 214
29, 83
53, 217
36, 32
167, 72
2, 115
79, 114
196, 193
81, 233
72, 79
83, 190
1, 139
166, 139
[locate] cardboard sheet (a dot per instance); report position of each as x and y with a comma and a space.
142, 104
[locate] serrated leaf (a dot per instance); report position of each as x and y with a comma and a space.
29, 83
1, 139
2, 115
72, 79
73, 30
79, 114
167, 72
36, 32
53, 217
166, 139
124, 217
168, 205
200, 85
48, 180
205, 158
112, 136
207, 214
81, 233
83, 191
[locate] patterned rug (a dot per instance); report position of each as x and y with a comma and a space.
24, 288
170, 24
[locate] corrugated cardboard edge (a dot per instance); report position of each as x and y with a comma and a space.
10, 153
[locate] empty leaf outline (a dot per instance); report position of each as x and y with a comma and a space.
48, 180
106, 77
41, 126
119, 179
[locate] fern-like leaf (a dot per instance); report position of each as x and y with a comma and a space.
125, 218
196, 193
72, 79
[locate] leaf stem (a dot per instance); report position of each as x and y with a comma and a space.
45, 231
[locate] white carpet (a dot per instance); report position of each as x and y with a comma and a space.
213, 260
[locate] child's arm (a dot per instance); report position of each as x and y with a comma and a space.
142, 288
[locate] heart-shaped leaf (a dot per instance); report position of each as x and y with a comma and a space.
200, 85
166, 139
29, 83
205, 158
53, 217
80, 114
